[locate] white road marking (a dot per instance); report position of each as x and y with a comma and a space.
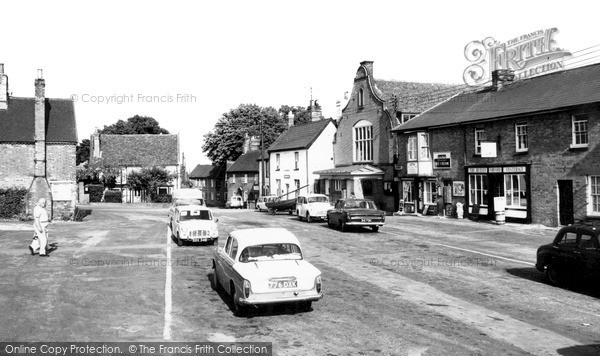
474, 251
168, 295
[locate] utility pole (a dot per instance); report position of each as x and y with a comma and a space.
262, 160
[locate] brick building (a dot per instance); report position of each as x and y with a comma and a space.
243, 175
531, 143
38, 137
210, 179
131, 153
363, 147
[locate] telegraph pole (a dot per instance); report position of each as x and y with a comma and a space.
262, 160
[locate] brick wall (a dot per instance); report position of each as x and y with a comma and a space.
16, 170
60, 162
232, 187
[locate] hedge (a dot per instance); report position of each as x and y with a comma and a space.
113, 196
12, 202
95, 191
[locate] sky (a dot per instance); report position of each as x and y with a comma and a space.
185, 63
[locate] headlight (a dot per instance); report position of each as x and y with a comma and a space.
246, 288
318, 284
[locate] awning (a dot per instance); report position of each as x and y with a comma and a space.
350, 171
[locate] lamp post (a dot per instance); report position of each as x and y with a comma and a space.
262, 160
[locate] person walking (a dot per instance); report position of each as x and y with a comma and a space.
40, 226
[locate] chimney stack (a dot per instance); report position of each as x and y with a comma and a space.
315, 111
246, 147
3, 88
290, 117
502, 77
40, 126
254, 143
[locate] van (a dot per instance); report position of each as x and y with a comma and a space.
235, 202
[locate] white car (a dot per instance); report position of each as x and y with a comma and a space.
235, 202
312, 207
185, 196
261, 203
193, 223
265, 266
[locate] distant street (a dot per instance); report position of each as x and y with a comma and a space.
421, 286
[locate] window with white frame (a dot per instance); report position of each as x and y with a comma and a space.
278, 185
424, 147
594, 195
515, 190
232, 178
521, 138
212, 196
406, 117
277, 162
407, 192
580, 130
363, 141
411, 148
478, 189
337, 185
429, 192
245, 178
296, 159
212, 183
361, 98
478, 138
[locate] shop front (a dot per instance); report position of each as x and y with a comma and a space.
510, 183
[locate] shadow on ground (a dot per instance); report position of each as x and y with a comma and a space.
585, 287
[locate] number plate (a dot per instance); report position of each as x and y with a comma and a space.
201, 240
285, 284
366, 220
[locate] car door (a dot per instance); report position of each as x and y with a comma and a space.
567, 257
589, 254
221, 262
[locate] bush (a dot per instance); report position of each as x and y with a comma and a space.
95, 191
155, 198
12, 202
113, 196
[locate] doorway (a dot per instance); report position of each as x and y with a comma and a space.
565, 202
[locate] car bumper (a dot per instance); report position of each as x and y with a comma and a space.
200, 238
281, 297
359, 223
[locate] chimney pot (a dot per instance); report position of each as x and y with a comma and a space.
501, 77
1, 68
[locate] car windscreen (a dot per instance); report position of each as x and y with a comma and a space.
318, 200
188, 201
359, 204
195, 215
268, 252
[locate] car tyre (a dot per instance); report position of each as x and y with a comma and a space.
179, 241
238, 309
308, 218
552, 274
375, 228
329, 223
305, 306
214, 282
299, 216
343, 226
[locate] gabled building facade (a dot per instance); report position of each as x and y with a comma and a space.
210, 179
363, 145
297, 153
132, 153
38, 137
526, 149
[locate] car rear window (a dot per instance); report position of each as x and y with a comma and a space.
318, 200
359, 204
269, 252
195, 215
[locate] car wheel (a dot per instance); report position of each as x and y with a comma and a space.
308, 218
215, 280
179, 241
238, 309
299, 216
375, 228
552, 275
305, 306
343, 226
329, 223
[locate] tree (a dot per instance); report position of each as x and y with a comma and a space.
301, 114
82, 152
148, 180
226, 140
135, 125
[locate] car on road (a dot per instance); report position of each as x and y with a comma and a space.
574, 254
193, 223
265, 266
355, 212
235, 202
312, 207
261, 203
185, 196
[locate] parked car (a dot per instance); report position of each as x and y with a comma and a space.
265, 266
355, 212
235, 202
261, 203
574, 254
193, 223
185, 196
312, 206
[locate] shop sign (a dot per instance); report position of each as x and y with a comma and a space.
442, 160
488, 150
515, 169
495, 169
527, 55
477, 170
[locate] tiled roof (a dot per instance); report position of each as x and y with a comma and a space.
17, 123
548, 92
201, 171
299, 136
139, 150
416, 97
246, 163
357, 169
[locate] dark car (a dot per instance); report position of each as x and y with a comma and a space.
355, 212
574, 254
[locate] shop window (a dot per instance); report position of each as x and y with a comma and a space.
522, 142
478, 138
367, 187
478, 189
363, 141
515, 190
580, 131
429, 192
411, 148
407, 192
594, 195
